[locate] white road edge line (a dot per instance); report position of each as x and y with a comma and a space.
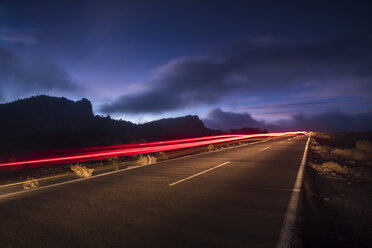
70, 181
286, 232
198, 174
38, 179
264, 149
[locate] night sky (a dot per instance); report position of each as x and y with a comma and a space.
268, 64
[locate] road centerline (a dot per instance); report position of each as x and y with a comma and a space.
263, 149
198, 174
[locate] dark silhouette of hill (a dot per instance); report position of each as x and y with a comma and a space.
45, 122
247, 130
182, 127
48, 109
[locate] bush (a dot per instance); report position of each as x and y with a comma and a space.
81, 171
362, 152
145, 160
31, 184
364, 146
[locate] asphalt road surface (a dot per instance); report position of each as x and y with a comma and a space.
230, 198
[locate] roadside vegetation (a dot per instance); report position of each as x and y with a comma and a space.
336, 206
81, 171
30, 184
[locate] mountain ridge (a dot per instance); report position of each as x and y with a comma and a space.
48, 122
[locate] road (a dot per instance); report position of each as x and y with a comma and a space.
230, 198
47, 158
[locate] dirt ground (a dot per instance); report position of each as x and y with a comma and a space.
336, 201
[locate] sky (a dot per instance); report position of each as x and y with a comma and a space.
269, 64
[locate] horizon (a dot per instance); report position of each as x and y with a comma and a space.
228, 126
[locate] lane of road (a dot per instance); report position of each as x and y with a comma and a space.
230, 198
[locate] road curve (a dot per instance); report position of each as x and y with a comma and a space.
230, 198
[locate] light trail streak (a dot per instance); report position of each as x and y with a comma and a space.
95, 153
102, 148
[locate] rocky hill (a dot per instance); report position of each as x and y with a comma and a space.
45, 122
47, 109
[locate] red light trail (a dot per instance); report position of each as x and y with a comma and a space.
95, 153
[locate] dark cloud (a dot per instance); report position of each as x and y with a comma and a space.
218, 119
258, 66
30, 74
225, 120
330, 121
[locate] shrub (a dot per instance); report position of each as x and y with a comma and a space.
364, 146
31, 184
145, 160
81, 171
211, 148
